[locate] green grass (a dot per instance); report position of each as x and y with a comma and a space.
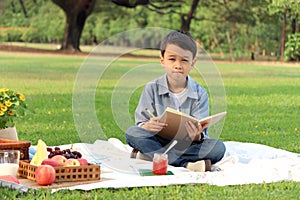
83, 48
45, 46
262, 103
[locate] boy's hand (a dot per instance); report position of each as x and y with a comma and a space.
194, 131
153, 125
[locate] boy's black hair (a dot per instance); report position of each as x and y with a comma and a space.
179, 38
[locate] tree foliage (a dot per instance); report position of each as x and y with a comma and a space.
289, 10
227, 27
292, 47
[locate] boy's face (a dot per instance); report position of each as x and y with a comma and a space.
177, 61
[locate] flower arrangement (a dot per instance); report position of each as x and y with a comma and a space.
12, 106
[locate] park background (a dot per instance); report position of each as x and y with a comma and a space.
265, 29
41, 54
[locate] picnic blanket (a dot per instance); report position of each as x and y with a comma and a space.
243, 163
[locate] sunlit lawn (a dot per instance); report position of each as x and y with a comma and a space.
263, 104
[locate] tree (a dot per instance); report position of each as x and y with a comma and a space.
166, 7
186, 18
130, 3
220, 26
286, 8
76, 15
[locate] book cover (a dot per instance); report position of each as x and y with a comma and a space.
176, 123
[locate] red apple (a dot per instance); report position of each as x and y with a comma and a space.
71, 163
59, 159
82, 161
51, 162
9, 178
45, 175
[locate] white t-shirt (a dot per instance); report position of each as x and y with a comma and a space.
179, 98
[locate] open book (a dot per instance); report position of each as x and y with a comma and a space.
176, 123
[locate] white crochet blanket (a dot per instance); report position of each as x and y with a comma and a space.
243, 163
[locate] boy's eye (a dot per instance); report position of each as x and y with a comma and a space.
172, 59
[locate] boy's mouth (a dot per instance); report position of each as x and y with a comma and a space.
178, 71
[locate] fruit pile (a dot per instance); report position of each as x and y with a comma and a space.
67, 153
46, 158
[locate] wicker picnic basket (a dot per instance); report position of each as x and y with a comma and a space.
88, 172
21, 145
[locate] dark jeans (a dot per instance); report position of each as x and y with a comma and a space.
183, 152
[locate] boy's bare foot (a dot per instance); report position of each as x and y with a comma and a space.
138, 155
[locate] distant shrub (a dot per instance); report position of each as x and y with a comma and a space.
13, 34
292, 48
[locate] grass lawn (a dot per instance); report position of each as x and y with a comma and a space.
263, 104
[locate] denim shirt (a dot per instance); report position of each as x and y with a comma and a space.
156, 96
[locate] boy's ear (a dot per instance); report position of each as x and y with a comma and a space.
161, 59
193, 63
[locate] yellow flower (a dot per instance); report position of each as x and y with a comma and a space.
8, 103
3, 89
3, 108
11, 112
22, 97
12, 106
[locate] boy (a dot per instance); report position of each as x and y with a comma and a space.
175, 89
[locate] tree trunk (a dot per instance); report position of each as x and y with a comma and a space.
76, 15
217, 41
230, 46
187, 18
295, 25
283, 36
230, 39
23, 8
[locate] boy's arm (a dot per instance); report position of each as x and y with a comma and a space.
201, 110
146, 101
143, 118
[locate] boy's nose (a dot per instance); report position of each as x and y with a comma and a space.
178, 65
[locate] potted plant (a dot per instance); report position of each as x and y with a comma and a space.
12, 106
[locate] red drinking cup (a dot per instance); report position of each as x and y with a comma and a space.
160, 164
